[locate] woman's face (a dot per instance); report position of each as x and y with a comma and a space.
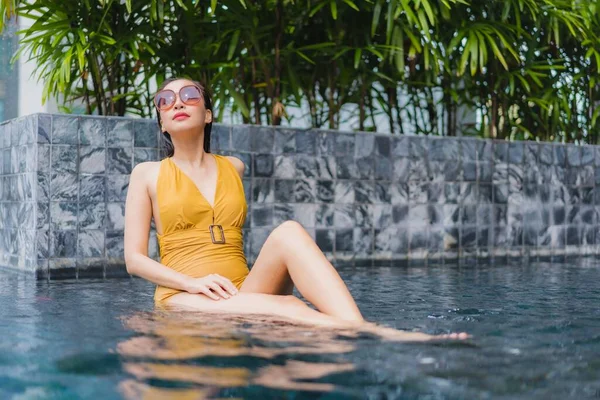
181, 116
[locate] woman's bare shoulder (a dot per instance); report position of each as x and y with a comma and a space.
145, 171
238, 164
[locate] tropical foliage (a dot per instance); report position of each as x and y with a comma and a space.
519, 69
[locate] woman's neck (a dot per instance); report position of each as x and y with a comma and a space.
189, 150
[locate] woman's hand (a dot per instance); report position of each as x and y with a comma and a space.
213, 285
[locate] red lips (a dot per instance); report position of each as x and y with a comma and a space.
180, 114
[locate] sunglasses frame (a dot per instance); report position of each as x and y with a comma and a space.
178, 94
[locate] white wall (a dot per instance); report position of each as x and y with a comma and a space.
30, 91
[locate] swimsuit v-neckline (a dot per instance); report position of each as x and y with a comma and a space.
212, 206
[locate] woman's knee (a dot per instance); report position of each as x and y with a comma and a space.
287, 229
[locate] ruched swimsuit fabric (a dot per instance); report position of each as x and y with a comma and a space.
186, 215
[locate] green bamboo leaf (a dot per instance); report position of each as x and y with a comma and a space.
316, 9
473, 45
390, 22
233, 44
376, 16
304, 56
351, 4
128, 6
80, 56
213, 7
498, 54
429, 12
357, 56
333, 6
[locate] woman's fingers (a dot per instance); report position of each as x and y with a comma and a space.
206, 291
227, 285
219, 290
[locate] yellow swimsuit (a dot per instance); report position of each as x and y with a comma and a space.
194, 232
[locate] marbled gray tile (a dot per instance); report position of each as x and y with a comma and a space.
325, 167
344, 240
284, 141
92, 188
92, 160
63, 243
44, 129
145, 133
344, 144
262, 190
400, 146
261, 139
325, 191
305, 214
63, 186
116, 187
43, 244
443, 149
344, 192
365, 167
306, 166
304, 190
383, 169
65, 129
418, 170
383, 146
284, 190
417, 192
306, 142
326, 143
343, 216
119, 160
141, 155
285, 167
468, 149
363, 242
516, 152
364, 145
119, 133
364, 192
63, 215
221, 137
240, 138
363, 215
417, 147
115, 216
263, 165
90, 243
325, 214
43, 158
42, 215
91, 215
346, 168
92, 131
262, 215
114, 244
325, 239
43, 187
282, 213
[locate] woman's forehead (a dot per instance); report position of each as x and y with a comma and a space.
178, 84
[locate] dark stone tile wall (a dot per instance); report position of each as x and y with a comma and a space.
366, 199
17, 194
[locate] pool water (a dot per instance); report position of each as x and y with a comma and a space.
535, 327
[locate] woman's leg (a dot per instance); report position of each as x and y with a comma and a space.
291, 255
285, 307
294, 309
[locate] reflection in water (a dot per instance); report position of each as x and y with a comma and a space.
176, 355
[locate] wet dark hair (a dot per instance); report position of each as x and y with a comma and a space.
166, 143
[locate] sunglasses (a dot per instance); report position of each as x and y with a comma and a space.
189, 95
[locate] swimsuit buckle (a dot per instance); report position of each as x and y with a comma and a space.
212, 234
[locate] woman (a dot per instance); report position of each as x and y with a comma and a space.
197, 201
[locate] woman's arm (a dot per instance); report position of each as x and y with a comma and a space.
138, 214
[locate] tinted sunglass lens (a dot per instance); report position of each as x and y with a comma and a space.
190, 94
165, 99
